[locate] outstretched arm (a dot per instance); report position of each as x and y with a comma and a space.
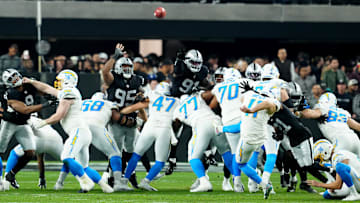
61, 111
309, 113
42, 87
106, 71
353, 124
135, 107
22, 108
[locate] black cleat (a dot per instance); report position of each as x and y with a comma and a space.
292, 186
82, 191
307, 188
10, 177
133, 181
111, 181
171, 168
287, 179
212, 160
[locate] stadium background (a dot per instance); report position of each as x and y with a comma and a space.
229, 30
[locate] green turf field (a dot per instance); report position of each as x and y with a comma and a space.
174, 188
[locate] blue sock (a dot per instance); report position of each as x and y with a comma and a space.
132, 165
75, 168
197, 167
270, 162
93, 174
344, 172
250, 172
1, 169
155, 170
235, 167
235, 128
115, 163
327, 195
11, 161
253, 160
65, 169
227, 157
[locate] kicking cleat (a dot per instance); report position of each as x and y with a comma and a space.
171, 168
145, 184
267, 190
10, 177
307, 188
226, 185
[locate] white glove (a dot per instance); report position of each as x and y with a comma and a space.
37, 123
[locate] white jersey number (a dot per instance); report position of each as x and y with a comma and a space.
125, 97
187, 84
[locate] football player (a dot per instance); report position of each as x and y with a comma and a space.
194, 112
76, 148
227, 95
189, 73
258, 110
123, 88
347, 167
338, 125
20, 99
158, 129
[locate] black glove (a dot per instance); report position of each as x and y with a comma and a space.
278, 135
42, 183
303, 104
49, 103
117, 54
139, 98
246, 86
180, 54
322, 119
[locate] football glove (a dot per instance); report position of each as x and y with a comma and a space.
322, 119
246, 86
118, 53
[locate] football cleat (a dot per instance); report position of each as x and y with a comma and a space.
58, 186
238, 185
352, 197
204, 186
145, 184
122, 185
10, 177
133, 181
86, 183
2, 187
105, 187
267, 190
292, 186
226, 185
195, 184
252, 186
307, 188
158, 176
171, 168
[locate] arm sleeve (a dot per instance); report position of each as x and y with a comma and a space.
235, 128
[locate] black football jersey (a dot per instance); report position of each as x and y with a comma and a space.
123, 91
185, 80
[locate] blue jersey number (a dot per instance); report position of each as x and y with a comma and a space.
159, 103
233, 91
92, 105
252, 102
183, 108
334, 116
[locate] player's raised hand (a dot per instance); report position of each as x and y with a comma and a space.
42, 183
119, 51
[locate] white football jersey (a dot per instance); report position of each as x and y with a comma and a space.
161, 109
97, 112
254, 125
193, 109
74, 117
274, 86
342, 155
336, 123
228, 95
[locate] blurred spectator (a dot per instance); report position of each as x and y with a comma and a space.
356, 107
165, 69
355, 74
88, 66
302, 56
344, 100
11, 59
316, 91
285, 66
96, 61
304, 79
241, 65
139, 68
316, 68
59, 63
230, 62
259, 61
334, 75
353, 87
28, 70
212, 63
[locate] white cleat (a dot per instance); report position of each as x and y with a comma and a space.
267, 190
145, 184
58, 186
195, 184
105, 187
252, 186
86, 183
238, 185
6, 185
352, 197
2, 188
122, 185
105, 176
159, 176
204, 186
226, 185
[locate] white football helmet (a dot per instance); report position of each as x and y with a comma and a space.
219, 74
231, 74
163, 88
66, 79
253, 71
193, 60
322, 150
12, 78
270, 71
125, 67
98, 96
328, 98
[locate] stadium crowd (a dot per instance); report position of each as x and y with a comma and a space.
314, 74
